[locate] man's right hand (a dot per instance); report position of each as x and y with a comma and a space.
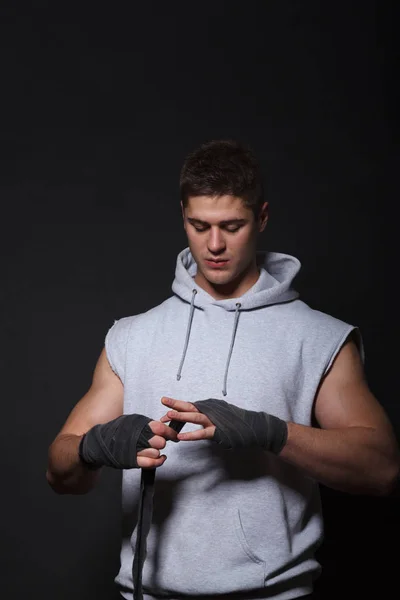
127, 442
102, 403
151, 458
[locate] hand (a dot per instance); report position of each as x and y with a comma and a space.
118, 443
228, 425
187, 412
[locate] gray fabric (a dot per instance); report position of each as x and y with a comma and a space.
239, 428
116, 443
226, 521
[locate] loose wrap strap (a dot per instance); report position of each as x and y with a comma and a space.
145, 514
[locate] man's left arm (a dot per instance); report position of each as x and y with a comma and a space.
355, 449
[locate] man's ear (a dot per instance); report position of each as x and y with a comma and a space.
263, 217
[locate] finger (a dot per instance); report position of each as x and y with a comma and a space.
149, 452
179, 405
144, 462
162, 430
199, 434
190, 417
158, 442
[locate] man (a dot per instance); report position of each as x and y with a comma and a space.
272, 393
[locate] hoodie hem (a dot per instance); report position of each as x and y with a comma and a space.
288, 595
263, 594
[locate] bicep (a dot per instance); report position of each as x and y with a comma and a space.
103, 401
344, 398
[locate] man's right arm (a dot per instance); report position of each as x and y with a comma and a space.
103, 402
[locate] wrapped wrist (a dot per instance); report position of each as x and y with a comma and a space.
84, 458
236, 427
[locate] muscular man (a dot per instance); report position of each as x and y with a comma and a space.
272, 394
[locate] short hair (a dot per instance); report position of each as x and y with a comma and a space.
223, 167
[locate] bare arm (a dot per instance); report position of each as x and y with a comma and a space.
355, 450
102, 403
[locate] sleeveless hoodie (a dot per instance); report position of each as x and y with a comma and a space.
226, 524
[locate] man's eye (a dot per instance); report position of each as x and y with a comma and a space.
229, 229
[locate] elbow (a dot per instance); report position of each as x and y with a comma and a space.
390, 482
54, 484
74, 486
393, 484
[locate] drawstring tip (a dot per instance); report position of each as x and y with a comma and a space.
224, 393
178, 377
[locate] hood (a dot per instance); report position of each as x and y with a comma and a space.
273, 286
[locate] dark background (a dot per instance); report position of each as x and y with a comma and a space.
100, 104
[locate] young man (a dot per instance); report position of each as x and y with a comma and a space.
272, 393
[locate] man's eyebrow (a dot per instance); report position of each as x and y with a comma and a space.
226, 222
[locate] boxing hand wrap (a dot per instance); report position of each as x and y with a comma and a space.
116, 443
239, 428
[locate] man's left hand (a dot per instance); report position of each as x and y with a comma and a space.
231, 426
187, 412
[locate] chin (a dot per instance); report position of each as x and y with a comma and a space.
222, 279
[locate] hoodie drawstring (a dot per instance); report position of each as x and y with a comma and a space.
188, 330
189, 326
228, 360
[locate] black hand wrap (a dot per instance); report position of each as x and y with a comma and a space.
116, 443
239, 428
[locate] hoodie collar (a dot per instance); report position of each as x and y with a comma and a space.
274, 285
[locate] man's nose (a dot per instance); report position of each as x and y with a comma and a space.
216, 241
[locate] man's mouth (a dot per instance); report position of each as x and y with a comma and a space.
216, 263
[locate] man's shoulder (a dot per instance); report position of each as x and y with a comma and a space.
137, 324
303, 316
158, 311
151, 314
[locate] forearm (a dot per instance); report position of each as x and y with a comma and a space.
352, 460
66, 473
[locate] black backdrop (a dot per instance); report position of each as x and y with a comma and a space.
100, 105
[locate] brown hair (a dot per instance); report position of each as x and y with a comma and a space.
223, 167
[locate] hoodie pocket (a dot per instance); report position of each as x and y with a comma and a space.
202, 552
243, 541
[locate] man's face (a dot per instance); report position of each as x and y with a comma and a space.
222, 235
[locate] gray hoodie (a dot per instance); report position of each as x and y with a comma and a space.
226, 524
